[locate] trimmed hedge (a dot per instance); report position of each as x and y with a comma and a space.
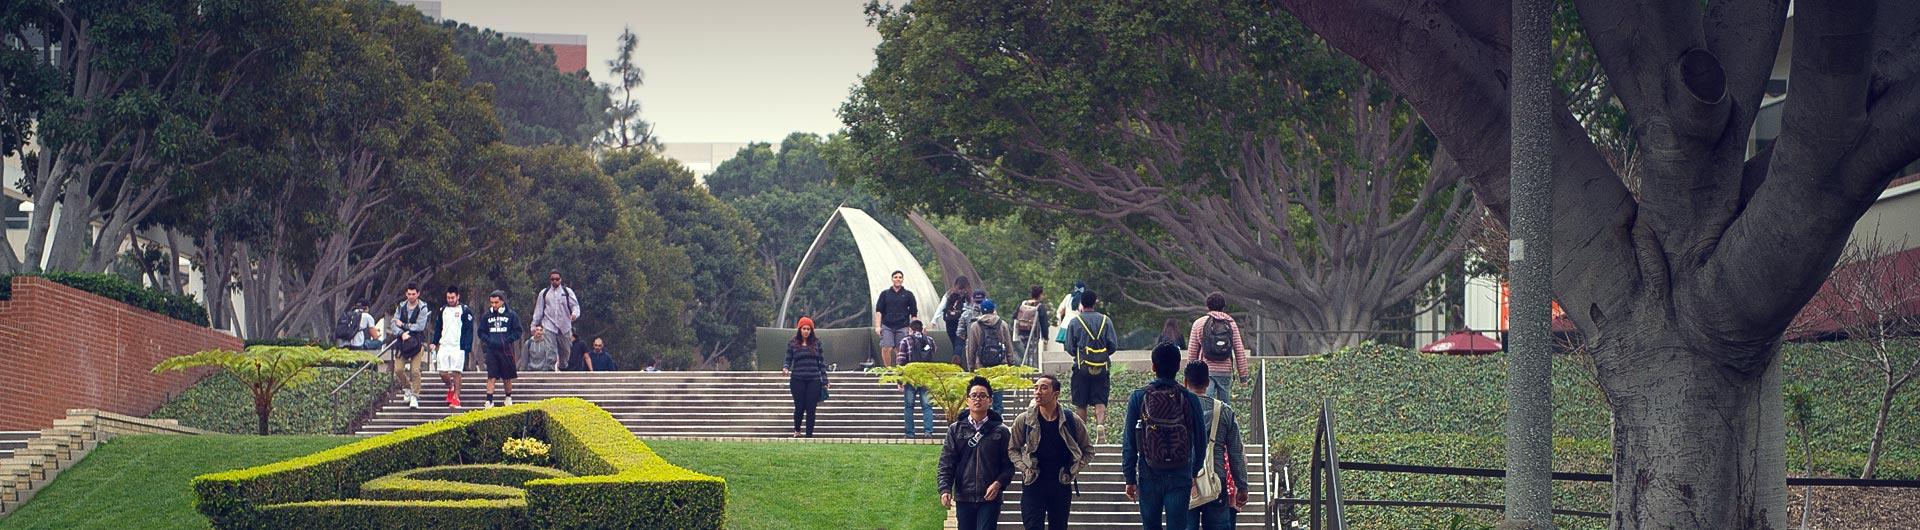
452, 483
620, 483
473, 514
178, 307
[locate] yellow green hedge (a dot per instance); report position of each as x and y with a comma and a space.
619, 482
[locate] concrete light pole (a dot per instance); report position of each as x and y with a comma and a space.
1529, 481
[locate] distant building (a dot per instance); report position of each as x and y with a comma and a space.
569, 51
702, 157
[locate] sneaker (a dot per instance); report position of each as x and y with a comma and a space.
453, 401
509, 401
488, 405
413, 402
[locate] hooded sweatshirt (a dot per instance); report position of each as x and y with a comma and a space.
974, 334
1235, 365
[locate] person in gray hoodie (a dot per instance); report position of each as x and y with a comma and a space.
542, 354
989, 343
1050, 446
409, 332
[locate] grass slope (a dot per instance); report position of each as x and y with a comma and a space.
141, 481
779, 485
221, 404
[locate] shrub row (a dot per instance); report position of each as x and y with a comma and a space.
621, 483
362, 514
178, 307
453, 483
222, 404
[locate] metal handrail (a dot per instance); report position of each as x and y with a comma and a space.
1324, 440
1266, 442
333, 398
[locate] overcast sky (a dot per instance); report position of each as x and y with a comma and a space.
717, 70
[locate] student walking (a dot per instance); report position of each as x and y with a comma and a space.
555, 309
499, 332
410, 336
891, 313
596, 359
916, 347
806, 367
1068, 310
989, 343
1226, 457
542, 354
453, 338
1215, 338
975, 466
1050, 446
354, 329
951, 308
1030, 328
1091, 338
1159, 452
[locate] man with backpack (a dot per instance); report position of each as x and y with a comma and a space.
969, 312
1215, 338
1226, 460
354, 329
1091, 338
1162, 444
499, 332
916, 347
1050, 446
891, 312
555, 309
975, 464
452, 339
410, 336
989, 343
1029, 328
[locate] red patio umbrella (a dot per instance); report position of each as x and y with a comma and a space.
1463, 343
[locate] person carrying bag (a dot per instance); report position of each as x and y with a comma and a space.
1206, 484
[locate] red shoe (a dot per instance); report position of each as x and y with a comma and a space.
453, 400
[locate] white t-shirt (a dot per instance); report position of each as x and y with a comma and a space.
1067, 311
364, 337
450, 330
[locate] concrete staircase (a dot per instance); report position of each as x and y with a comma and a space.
1103, 503
724, 405
44, 455
11, 441
687, 404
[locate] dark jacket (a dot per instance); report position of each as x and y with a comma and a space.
466, 326
1227, 442
966, 471
806, 362
896, 309
500, 330
1129, 444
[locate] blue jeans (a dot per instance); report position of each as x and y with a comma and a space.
1215, 515
1163, 497
978, 515
1000, 402
914, 393
1220, 387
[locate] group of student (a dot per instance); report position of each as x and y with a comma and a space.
448, 333
1181, 454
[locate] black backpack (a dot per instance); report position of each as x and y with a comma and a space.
993, 350
1216, 339
347, 326
920, 349
956, 304
1166, 434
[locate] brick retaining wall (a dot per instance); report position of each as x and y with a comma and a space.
62, 348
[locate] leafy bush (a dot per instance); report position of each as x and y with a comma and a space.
615, 473
452, 483
947, 382
178, 307
288, 341
222, 404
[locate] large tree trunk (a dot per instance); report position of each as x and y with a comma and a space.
1697, 444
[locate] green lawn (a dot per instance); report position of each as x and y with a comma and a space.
140, 482
779, 485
